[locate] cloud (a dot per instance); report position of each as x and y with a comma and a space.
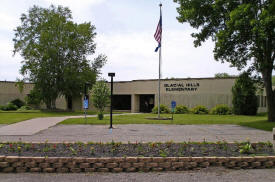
10, 12
9, 65
126, 40
127, 54
132, 56
7, 22
81, 9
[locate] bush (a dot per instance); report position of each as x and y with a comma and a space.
3, 108
25, 108
19, 103
180, 109
244, 95
221, 110
9, 107
163, 109
200, 110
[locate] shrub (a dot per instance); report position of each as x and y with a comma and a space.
9, 107
221, 110
19, 103
2, 108
180, 109
25, 108
244, 95
200, 110
163, 109
246, 148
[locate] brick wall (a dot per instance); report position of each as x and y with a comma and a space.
128, 164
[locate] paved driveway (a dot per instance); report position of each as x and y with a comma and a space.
145, 133
205, 175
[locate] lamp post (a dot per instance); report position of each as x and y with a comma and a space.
111, 108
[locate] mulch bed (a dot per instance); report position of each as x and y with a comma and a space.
168, 149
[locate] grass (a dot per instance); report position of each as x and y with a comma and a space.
259, 122
9, 117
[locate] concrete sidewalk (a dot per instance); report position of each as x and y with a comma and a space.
33, 126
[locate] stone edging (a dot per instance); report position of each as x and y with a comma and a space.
128, 164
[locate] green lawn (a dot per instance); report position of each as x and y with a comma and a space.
9, 117
259, 122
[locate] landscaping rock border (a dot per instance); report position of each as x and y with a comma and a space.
128, 164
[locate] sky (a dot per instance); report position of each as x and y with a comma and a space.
125, 34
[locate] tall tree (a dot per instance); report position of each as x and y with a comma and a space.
243, 32
55, 52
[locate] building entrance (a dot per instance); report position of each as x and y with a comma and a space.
122, 102
146, 103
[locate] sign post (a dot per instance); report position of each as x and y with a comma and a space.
86, 101
173, 106
86, 106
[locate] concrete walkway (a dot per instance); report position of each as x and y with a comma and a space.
33, 126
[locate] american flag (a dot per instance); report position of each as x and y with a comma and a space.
158, 33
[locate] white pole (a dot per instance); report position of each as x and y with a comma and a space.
159, 83
159, 65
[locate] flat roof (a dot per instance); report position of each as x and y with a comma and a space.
168, 79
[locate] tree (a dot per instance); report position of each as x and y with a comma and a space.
55, 52
245, 101
273, 80
100, 97
222, 75
243, 32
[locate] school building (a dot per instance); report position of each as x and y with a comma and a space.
142, 95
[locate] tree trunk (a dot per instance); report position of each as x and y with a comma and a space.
50, 104
53, 104
270, 95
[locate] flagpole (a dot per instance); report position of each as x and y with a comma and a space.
160, 5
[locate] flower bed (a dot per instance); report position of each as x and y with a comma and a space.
117, 149
132, 157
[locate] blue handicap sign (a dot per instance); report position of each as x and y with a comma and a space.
173, 104
86, 104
